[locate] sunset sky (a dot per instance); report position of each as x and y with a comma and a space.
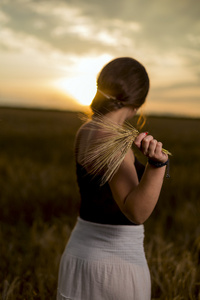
51, 51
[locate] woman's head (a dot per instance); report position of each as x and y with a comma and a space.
122, 82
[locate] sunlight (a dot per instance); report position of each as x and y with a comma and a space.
81, 84
82, 89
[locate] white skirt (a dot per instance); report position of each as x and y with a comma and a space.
104, 262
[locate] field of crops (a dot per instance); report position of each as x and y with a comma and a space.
39, 202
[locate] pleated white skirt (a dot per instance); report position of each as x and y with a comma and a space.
104, 262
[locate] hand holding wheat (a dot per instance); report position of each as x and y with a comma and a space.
151, 148
106, 154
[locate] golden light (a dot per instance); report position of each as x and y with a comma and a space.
81, 89
81, 85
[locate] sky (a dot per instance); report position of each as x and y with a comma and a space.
51, 51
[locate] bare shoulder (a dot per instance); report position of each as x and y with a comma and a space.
84, 127
85, 136
82, 132
88, 132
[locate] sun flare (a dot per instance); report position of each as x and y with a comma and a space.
81, 89
81, 83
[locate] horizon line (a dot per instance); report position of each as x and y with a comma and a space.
54, 109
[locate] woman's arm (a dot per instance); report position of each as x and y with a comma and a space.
138, 199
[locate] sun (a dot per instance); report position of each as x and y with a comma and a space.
81, 81
80, 88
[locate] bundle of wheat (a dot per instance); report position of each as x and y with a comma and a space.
107, 152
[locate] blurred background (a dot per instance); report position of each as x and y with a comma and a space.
51, 51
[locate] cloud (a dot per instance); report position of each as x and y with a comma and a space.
93, 26
129, 27
39, 24
55, 24
3, 18
164, 35
20, 41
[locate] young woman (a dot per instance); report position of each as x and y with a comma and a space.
104, 258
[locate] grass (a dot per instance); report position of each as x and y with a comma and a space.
39, 203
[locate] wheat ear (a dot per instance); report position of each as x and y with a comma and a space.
106, 153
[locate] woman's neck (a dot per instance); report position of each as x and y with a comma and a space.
121, 115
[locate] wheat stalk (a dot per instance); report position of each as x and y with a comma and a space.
106, 153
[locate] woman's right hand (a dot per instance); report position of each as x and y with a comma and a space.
150, 147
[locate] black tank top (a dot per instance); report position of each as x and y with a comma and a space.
97, 203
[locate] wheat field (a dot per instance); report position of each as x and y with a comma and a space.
39, 202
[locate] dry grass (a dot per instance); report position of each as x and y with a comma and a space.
31, 258
39, 203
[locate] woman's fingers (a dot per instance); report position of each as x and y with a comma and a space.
150, 147
158, 149
145, 144
139, 139
143, 141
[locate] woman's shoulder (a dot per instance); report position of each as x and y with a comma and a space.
82, 131
88, 132
85, 137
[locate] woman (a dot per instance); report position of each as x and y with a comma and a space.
104, 258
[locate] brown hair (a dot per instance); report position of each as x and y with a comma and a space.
122, 82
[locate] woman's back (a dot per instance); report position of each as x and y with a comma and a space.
97, 203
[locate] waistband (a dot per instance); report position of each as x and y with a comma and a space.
112, 231
103, 242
